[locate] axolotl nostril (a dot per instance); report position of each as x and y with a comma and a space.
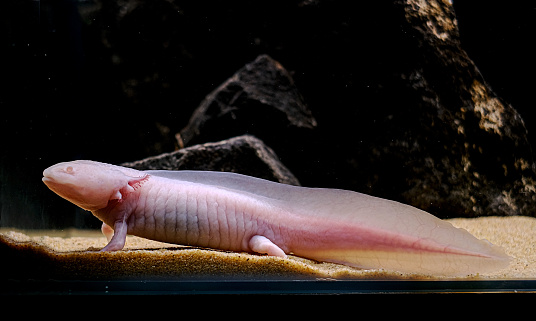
235, 212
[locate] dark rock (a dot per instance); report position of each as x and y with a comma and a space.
259, 99
244, 154
445, 142
482, 160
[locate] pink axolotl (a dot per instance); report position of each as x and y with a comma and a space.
235, 212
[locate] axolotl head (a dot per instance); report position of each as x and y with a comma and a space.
91, 185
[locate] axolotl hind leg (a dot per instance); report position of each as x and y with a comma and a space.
118, 236
261, 244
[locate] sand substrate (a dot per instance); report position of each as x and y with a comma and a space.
73, 254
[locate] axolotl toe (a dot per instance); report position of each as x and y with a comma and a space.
235, 212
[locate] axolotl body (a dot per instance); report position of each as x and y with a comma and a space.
235, 212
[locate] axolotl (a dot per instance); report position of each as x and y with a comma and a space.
235, 212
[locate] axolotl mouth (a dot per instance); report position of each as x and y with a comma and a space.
49, 181
53, 185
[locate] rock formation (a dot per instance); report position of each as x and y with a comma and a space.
243, 154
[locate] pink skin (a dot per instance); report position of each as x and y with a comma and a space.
241, 213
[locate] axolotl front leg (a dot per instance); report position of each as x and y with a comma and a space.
116, 237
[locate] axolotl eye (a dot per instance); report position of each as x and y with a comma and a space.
69, 170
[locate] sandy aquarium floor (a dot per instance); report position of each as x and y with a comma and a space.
73, 254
